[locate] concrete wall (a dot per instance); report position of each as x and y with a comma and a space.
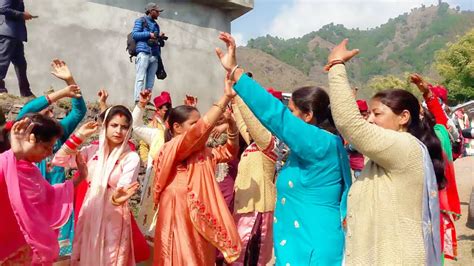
91, 37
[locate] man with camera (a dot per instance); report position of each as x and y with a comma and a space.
149, 40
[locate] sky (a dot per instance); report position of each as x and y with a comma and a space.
295, 18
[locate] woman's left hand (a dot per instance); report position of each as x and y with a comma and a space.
122, 194
340, 52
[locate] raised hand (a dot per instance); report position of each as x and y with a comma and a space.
340, 52
61, 70
88, 128
122, 194
103, 95
20, 138
71, 91
190, 100
228, 60
145, 97
418, 80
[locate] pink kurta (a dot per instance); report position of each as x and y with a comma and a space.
31, 212
193, 218
117, 242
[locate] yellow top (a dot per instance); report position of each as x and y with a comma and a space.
384, 210
254, 186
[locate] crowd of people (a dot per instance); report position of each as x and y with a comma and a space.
327, 179
250, 182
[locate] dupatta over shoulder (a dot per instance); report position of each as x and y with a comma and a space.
39, 208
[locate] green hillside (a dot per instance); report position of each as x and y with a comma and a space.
406, 43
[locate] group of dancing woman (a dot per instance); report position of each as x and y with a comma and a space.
399, 210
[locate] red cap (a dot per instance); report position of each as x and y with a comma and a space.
275, 93
440, 92
363, 107
164, 98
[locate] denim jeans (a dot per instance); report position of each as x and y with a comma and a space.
146, 66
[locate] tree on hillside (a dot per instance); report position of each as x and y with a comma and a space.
455, 64
380, 83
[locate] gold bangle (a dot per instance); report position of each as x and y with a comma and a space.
231, 75
115, 203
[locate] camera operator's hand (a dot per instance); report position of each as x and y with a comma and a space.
162, 34
152, 35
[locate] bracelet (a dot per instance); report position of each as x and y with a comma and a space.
219, 106
333, 63
78, 141
115, 203
48, 99
233, 134
231, 75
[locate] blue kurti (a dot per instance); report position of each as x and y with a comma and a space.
311, 188
56, 174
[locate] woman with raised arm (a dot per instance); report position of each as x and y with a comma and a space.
254, 188
104, 224
32, 210
193, 218
393, 207
312, 186
449, 204
45, 105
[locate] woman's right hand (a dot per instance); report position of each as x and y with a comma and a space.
88, 128
418, 80
340, 52
20, 138
145, 97
228, 60
103, 95
71, 91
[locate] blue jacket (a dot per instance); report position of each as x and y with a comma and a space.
12, 23
141, 34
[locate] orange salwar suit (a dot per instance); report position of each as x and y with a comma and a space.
193, 218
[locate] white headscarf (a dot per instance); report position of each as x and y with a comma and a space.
91, 237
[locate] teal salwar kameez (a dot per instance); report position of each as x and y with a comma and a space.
311, 188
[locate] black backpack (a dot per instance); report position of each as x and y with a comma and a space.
131, 43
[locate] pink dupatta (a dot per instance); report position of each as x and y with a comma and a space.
39, 208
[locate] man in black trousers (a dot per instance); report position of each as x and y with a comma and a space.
12, 35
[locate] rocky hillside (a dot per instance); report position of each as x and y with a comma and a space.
406, 43
271, 72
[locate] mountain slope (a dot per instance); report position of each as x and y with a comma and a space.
404, 44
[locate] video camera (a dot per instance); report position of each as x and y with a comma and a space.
158, 41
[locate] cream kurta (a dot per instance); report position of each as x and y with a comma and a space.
117, 242
254, 186
154, 138
384, 211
